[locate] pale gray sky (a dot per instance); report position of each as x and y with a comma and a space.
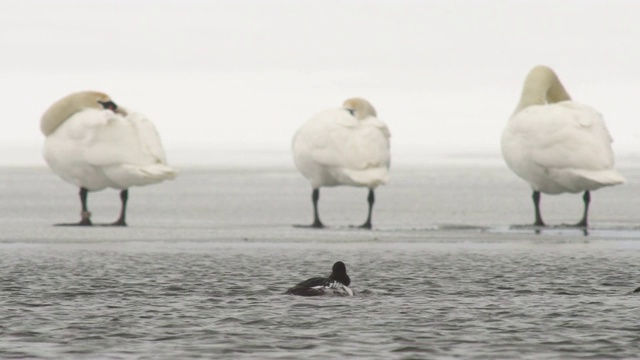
226, 75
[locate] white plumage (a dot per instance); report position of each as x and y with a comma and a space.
344, 146
557, 145
94, 144
334, 288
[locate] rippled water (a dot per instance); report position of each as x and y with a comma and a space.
201, 271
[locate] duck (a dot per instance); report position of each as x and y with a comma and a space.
95, 144
343, 146
557, 145
336, 284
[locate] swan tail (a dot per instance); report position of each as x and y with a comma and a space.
604, 178
158, 171
370, 178
135, 175
592, 180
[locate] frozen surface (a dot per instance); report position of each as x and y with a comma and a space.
201, 269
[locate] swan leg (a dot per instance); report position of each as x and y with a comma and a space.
317, 224
370, 199
85, 214
587, 199
124, 196
536, 203
315, 196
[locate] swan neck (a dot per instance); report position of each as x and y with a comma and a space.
64, 108
360, 108
541, 87
55, 116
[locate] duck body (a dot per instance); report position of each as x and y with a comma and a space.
320, 286
335, 284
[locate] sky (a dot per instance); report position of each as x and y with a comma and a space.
225, 79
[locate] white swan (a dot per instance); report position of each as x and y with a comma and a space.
343, 146
94, 144
556, 144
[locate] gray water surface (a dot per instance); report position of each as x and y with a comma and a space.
201, 270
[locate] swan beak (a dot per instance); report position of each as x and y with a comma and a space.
351, 111
110, 105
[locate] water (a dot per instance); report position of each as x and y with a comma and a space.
201, 270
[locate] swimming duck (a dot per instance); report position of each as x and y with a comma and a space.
336, 284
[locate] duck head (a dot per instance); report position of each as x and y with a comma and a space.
339, 273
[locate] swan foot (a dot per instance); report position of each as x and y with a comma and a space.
527, 226
366, 226
119, 222
81, 223
581, 224
85, 221
315, 225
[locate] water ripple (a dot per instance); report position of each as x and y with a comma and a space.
227, 301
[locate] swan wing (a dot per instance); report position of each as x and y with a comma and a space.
128, 150
565, 135
148, 137
117, 140
334, 138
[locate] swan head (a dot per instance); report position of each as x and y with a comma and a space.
359, 107
542, 86
62, 109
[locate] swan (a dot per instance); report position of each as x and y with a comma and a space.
95, 144
557, 145
343, 146
336, 284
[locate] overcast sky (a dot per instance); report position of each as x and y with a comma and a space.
215, 75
